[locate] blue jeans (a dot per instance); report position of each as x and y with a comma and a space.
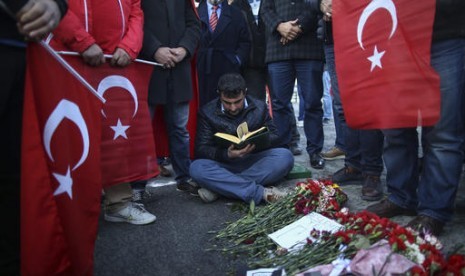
363, 148
327, 105
338, 113
176, 116
431, 192
309, 76
243, 178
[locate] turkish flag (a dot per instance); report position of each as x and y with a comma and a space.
128, 148
382, 50
60, 175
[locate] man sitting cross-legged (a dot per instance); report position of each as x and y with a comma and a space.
237, 173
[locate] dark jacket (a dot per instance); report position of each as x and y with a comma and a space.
212, 120
170, 23
449, 21
306, 46
218, 51
256, 32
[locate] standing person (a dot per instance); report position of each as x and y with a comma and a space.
94, 28
293, 51
18, 19
431, 193
237, 173
171, 35
363, 148
224, 45
254, 73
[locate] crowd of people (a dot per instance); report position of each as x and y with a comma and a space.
237, 57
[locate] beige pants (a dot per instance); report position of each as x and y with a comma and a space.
117, 197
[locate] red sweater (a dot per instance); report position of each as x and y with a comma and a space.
109, 23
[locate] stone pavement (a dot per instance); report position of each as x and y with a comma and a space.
178, 242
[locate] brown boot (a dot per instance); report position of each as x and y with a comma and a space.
387, 209
426, 225
372, 189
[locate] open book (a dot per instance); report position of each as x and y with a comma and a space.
244, 137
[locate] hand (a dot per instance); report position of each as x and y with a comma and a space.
37, 18
120, 58
178, 53
283, 40
326, 8
290, 29
93, 55
239, 153
164, 56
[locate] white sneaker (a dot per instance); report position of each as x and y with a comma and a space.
273, 194
207, 196
134, 213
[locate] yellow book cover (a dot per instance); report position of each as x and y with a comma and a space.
244, 137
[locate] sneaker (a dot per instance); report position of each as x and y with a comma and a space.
134, 213
333, 153
141, 195
387, 209
347, 175
189, 186
273, 194
372, 189
207, 196
426, 225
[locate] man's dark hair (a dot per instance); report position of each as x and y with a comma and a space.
231, 85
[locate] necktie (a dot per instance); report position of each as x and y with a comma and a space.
213, 18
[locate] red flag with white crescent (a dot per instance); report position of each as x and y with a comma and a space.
60, 174
382, 50
128, 148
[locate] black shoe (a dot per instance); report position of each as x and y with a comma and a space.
426, 225
387, 209
188, 186
372, 189
316, 161
347, 175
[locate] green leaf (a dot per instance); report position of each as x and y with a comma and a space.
360, 242
252, 208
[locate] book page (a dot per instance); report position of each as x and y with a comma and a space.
247, 135
242, 130
229, 137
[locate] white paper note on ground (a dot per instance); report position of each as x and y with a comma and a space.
294, 236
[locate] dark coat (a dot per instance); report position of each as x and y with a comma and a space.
306, 46
170, 23
212, 120
218, 50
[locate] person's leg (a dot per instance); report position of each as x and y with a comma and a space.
309, 77
117, 197
443, 156
327, 101
371, 149
218, 178
256, 78
176, 117
282, 80
269, 166
12, 70
295, 135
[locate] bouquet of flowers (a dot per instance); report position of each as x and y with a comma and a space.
362, 233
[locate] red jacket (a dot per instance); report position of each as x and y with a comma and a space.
109, 23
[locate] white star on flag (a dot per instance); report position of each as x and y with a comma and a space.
376, 59
120, 130
66, 184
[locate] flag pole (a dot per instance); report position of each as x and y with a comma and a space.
69, 53
71, 70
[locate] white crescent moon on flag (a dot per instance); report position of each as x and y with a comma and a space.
369, 10
68, 110
122, 82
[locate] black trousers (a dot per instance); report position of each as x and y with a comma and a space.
12, 70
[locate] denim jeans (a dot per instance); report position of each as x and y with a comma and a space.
282, 79
338, 113
176, 116
327, 105
243, 178
363, 148
432, 191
